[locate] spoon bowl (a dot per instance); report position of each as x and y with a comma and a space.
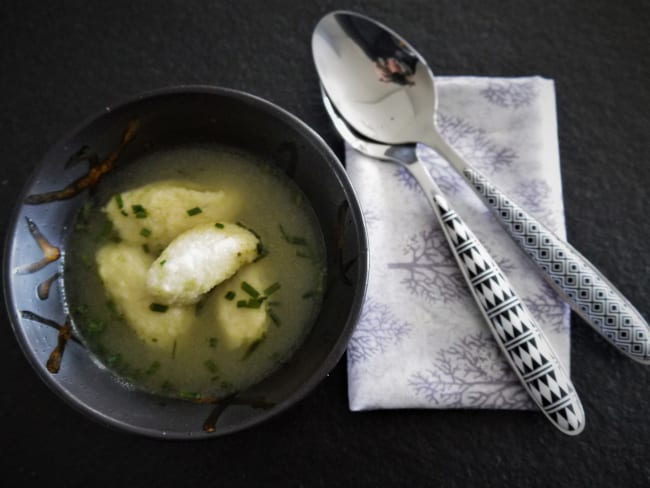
374, 78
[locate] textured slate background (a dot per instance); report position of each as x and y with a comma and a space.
61, 63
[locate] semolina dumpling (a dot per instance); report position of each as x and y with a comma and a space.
154, 214
198, 260
123, 271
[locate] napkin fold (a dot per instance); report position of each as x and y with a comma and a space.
421, 341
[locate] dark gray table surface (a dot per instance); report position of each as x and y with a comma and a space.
62, 61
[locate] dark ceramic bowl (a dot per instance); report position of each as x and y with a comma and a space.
33, 279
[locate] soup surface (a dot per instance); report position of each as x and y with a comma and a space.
145, 251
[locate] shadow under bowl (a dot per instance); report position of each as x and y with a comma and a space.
33, 278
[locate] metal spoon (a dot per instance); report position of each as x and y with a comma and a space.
514, 328
384, 89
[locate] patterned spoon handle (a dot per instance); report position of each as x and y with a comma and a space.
515, 330
578, 281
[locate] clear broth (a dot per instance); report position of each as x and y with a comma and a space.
199, 366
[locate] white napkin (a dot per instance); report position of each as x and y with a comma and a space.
421, 341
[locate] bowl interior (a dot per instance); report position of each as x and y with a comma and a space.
123, 134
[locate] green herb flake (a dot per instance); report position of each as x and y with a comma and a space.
162, 263
194, 211
152, 369
95, 327
295, 240
114, 360
158, 307
144, 232
189, 395
211, 366
174, 350
248, 288
212, 342
230, 295
274, 318
250, 303
124, 212
119, 201
219, 225
105, 232
272, 289
139, 211
262, 251
145, 248
254, 345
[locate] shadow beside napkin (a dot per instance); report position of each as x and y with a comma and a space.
421, 341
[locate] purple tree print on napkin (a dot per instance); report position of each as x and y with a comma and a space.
377, 330
509, 95
429, 269
471, 373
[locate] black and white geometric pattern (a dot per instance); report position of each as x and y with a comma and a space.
514, 329
578, 282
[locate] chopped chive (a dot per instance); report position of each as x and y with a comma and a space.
298, 241
274, 317
162, 263
120, 202
254, 345
210, 365
219, 225
262, 251
157, 307
105, 231
251, 303
230, 295
212, 342
113, 360
189, 395
144, 232
155, 366
174, 350
139, 211
249, 289
272, 289
124, 212
194, 211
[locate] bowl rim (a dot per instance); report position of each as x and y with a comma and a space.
323, 369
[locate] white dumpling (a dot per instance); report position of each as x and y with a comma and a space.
198, 260
156, 213
123, 270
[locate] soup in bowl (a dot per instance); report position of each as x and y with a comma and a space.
186, 264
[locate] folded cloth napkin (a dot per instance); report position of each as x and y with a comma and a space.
421, 341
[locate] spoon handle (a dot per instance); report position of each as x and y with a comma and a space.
516, 332
578, 281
